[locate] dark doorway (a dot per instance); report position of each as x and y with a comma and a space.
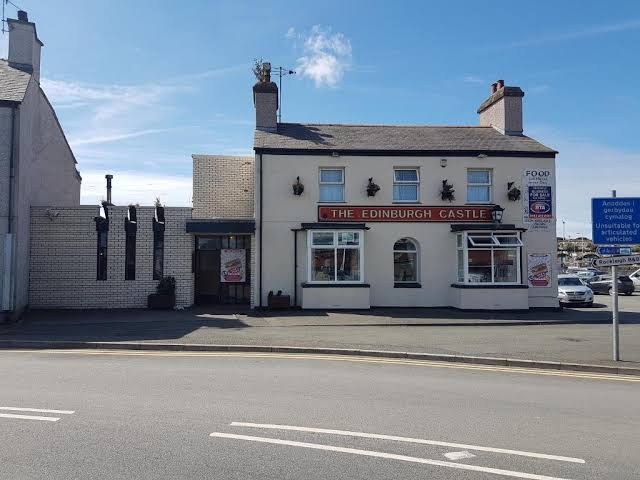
222, 270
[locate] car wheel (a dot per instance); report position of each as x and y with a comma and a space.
610, 291
589, 304
628, 294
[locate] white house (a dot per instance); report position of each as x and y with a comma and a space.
37, 166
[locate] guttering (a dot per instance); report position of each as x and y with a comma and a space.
12, 173
405, 153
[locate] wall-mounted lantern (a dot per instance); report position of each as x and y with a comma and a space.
298, 187
372, 188
496, 213
447, 192
513, 192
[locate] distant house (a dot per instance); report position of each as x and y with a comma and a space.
37, 166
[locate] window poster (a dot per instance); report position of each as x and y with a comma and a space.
537, 199
233, 265
539, 270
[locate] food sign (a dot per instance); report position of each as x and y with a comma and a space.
233, 265
537, 208
539, 270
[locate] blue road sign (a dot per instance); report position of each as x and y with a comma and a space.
609, 250
615, 221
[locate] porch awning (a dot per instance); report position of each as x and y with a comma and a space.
221, 226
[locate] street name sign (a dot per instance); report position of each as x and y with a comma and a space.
610, 250
615, 221
615, 261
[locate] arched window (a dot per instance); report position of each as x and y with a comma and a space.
405, 261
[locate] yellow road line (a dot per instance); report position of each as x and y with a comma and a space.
342, 358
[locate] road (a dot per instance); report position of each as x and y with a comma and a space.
142, 415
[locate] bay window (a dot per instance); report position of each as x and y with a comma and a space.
335, 256
489, 258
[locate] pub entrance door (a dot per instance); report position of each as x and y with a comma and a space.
222, 270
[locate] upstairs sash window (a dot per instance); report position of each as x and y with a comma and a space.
331, 185
406, 182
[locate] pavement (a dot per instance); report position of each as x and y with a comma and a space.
577, 335
147, 415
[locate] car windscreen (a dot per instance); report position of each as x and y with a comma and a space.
569, 282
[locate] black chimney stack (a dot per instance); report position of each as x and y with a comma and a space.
109, 178
22, 16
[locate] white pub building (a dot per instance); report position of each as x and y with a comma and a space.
359, 216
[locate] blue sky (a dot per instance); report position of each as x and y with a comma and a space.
140, 86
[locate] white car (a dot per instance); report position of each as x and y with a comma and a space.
635, 278
571, 290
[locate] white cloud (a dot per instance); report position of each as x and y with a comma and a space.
326, 56
583, 33
472, 79
116, 137
136, 187
291, 33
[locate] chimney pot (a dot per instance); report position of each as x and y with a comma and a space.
494, 87
109, 177
267, 72
500, 84
23, 16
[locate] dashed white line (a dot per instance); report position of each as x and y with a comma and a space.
408, 440
29, 417
38, 410
390, 456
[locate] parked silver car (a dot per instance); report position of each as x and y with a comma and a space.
572, 290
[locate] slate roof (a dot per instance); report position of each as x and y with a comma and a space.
395, 138
13, 82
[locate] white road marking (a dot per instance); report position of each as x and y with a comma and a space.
39, 410
390, 456
408, 440
29, 417
459, 455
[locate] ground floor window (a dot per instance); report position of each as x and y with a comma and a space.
489, 257
335, 256
405, 261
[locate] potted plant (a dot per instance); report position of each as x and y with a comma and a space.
513, 192
298, 187
165, 298
372, 188
447, 192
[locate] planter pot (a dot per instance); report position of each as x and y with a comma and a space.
161, 301
279, 301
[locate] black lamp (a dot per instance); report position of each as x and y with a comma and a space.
496, 213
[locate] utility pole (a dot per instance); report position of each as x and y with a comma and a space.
281, 71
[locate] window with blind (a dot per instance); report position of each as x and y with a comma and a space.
406, 185
479, 185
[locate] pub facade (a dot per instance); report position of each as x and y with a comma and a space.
360, 216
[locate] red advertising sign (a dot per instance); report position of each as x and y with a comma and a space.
403, 213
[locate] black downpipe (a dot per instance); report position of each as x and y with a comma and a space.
260, 240
12, 173
295, 268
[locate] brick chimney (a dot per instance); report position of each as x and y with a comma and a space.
265, 99
503, 109
24, 45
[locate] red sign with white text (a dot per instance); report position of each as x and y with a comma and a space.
403, 213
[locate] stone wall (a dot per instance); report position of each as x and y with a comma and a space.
223, 186
63, 258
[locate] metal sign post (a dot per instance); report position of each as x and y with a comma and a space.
615, 222
614, 307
